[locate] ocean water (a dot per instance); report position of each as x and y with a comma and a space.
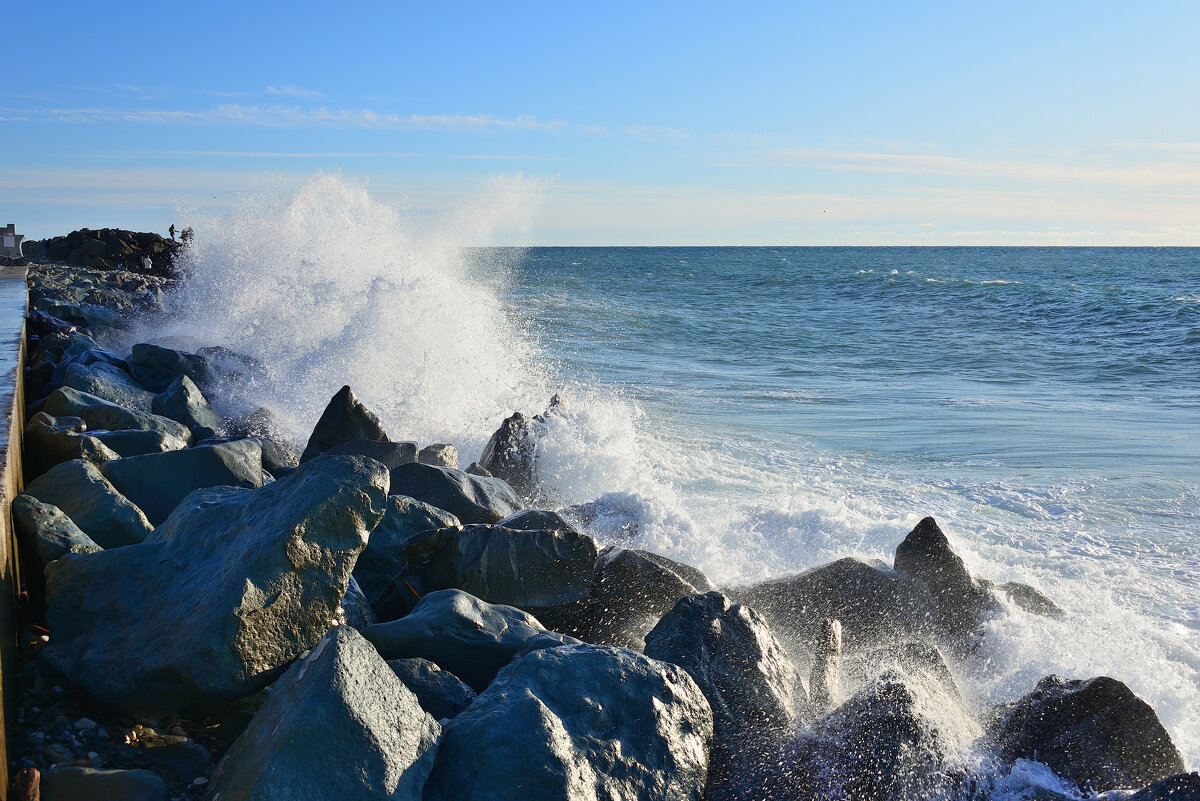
758, 411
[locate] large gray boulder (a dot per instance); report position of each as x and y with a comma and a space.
470, 498
98, 413
875, 604
1097, 733
156, 368
338, 725
642, 730
535, 520
962, 601
439, 455
526, 569
157, 482
390, 454
53, 440
86, 496
384, 554
345, 419
439, 692
233, 586
43, 530
110, 383
464, 635
183, 402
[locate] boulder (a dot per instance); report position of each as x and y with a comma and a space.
356, 610
345, 419
1096, 733
183, 402
1031, 599
1180, 787
232, 587
278, 455
875, 604
84, 315
472, 499
99, 413
157, 482
510, 455
53, 440
156, 368
110, 383
526, 569
439, 692
919, 661
440, 455
641, 731
632, 590
85, 495
340, 726
383, 557
390, 454
89, 358
41, 323
73, 783
464, 635
535, 520
43, 530
961, 599
132, 442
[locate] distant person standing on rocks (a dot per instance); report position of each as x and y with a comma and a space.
171, 230
147, 265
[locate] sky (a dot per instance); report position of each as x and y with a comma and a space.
798, 123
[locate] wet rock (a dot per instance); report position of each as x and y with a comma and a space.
98, 413
439, 692
1096, 733
961, 600
183, 402
88, 784
345, 419
1180, 787
390, 454
110, 383
184, 760
526, 569
156, 368
464, 635
157, 482
84, 315
440, 455
41, 323
383, 557
53, 440
510, 454
356, 610
875, 604
536, 519
920, 661
339, 725
88, 358
85, 495
474, 469
137, 443
642, 730
825, 679
632, 590
472, 499
233, 586
47, 532
1031, 599
278, 455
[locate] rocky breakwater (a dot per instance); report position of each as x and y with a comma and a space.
215, 611
108, 249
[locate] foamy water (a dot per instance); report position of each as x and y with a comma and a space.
753, 458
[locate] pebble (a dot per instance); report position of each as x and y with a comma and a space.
85, 724
37, 739
199, 781
54, 754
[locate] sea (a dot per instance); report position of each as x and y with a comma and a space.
756, 411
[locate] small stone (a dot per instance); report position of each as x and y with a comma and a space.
199, 781
37, 739
56, 754
85, 724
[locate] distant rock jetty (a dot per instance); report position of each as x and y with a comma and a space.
107, 249
213, 611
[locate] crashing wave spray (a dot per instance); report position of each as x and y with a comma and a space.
327, 286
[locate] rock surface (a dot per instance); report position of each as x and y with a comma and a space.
962, 601
390, 454
383, 557
86, 496
345, 419
156, 367
53, 440
72, 783
439, 692
472, 499
464, 635
1096, 733
440, 455
183, 402
110, 383
340, 726
641, 731
99, 413
234, 585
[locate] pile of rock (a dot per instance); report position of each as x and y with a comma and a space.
108, 249
362, 619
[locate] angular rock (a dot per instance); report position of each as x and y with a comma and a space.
439, 692
464, 635
356, 610
383, 557
1031, 599
89, 357
961, 600
440, 455
535, 520
53, 440
875, 604
110, 383
131, 442
641, 731
71, 783
390, 454
825, 678
345, 419
526, 569
85, 315
472, 499
339, 726
510, 454
98, 413
278, 455
1180, 787
157, 482
47, 532
183, 402
1096, 733
156, 368
233, 586
86, 496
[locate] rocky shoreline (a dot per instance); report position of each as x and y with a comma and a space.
215, 612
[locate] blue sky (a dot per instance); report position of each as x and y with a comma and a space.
630, 123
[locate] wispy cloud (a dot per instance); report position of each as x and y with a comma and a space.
291, 90
647, 133
267, 154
